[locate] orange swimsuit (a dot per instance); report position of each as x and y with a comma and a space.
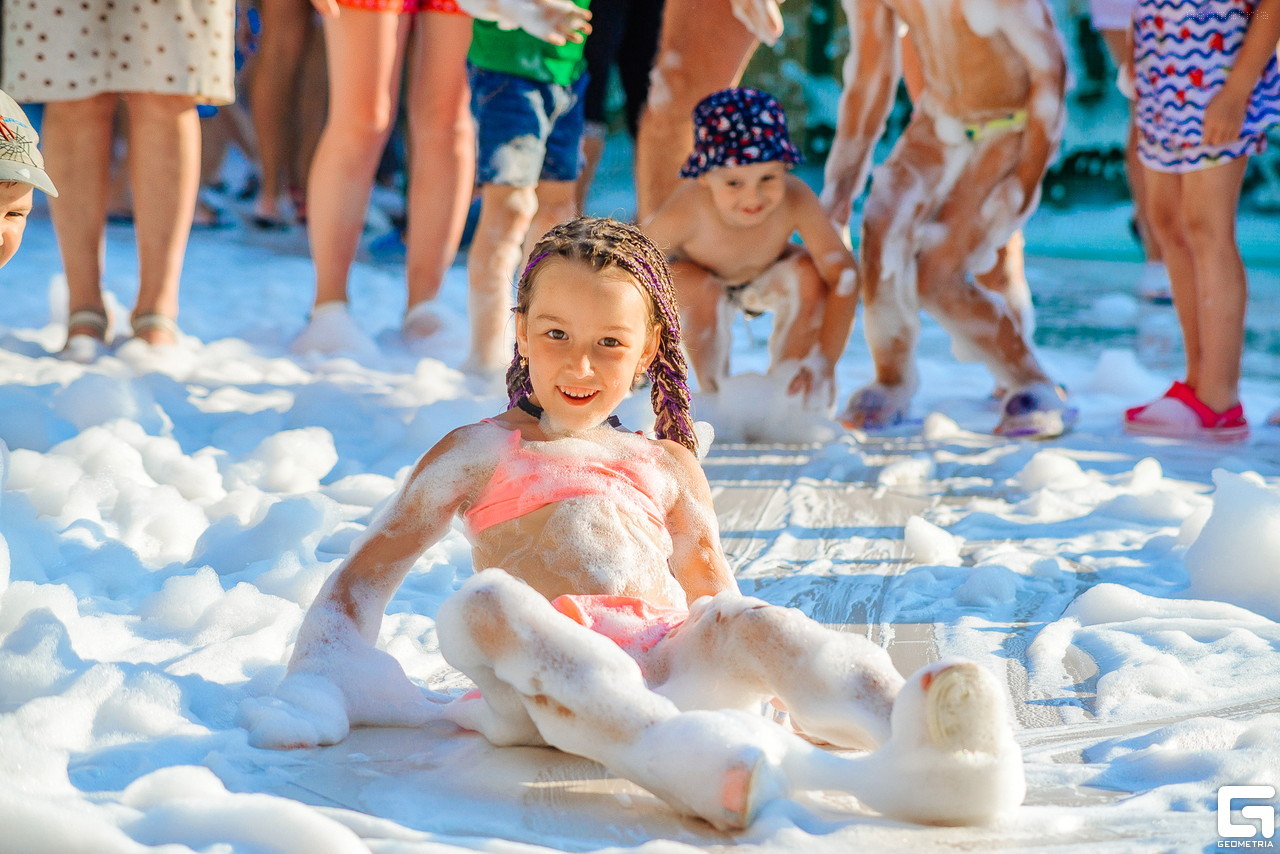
525, 480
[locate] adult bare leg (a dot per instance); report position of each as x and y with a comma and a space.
77, 146
164, 162
365, 51
441, 156
274, 92
703, 48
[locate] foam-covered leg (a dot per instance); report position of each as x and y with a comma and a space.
1035, 411
952, 758
587, 697
737, 651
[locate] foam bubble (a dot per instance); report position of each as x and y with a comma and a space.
931, 544
1234, 557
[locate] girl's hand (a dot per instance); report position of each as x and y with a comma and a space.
1224, 117
327, 8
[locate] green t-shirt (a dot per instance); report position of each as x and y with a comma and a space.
518, 53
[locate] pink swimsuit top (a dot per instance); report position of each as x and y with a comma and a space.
525, 480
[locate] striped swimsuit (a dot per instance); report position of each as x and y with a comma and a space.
1183, 51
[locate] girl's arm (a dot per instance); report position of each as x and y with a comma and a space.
697, 560
418, 517
1225, 113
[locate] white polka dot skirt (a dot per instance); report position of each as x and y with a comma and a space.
64, 50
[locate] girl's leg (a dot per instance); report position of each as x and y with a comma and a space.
164, 162
365, 50
545, 678
1210, 198
735, 651
77, 147
273, 97
1164, 194
442, 149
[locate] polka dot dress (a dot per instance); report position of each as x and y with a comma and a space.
64, 50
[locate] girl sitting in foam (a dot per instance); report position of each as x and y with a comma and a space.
613, 628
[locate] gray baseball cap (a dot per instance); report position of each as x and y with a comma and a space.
20, 159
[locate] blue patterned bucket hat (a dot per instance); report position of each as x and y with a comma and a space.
736, 127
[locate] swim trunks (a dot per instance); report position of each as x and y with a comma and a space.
633, 624
1183, 51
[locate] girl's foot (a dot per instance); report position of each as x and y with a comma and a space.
1181, 414
87, 330
155, 329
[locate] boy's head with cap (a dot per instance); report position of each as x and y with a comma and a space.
21, 171
741, 152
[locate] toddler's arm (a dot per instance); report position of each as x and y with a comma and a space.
697, 561
838, 271
1225, 114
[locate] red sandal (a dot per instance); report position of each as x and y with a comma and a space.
1181, 414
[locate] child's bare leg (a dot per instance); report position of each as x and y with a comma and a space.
736, 651
1210, 199
706, 319
1164, 191
902, 197
703, 48
505, 216
557, 202
1008, 278
586, 696
986, 200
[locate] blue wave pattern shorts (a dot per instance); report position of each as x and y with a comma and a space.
527, 131
1183, 52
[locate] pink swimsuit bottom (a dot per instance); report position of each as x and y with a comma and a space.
525, 480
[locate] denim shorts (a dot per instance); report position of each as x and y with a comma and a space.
527, 131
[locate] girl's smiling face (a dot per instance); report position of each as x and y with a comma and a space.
587, 335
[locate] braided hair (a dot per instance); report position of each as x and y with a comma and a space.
603, 243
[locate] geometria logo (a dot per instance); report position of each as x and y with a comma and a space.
1243, 832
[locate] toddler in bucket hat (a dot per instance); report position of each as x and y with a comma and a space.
727, 231
734, 127
21, 170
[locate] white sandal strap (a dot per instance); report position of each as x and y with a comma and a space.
154, 321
